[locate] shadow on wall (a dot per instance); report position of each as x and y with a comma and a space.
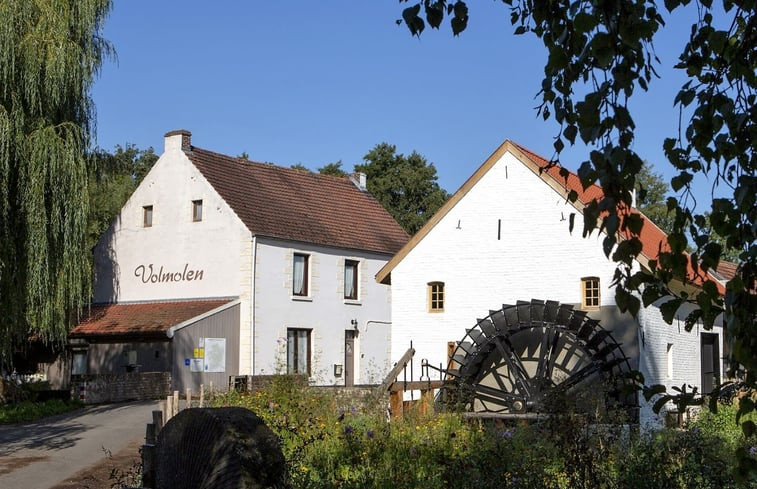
107, 272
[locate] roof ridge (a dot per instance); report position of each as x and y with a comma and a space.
264, 164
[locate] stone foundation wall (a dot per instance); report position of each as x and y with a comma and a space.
105, 388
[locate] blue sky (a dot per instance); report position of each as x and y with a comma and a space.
317, 82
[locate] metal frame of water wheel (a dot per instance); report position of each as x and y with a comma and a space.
522, 357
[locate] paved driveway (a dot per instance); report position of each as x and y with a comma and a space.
38, 455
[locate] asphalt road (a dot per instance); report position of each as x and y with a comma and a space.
41, 454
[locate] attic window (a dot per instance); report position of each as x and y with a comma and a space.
436, 297
197, 210
590, 293
147, 216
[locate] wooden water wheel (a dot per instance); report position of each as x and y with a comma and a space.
537, 357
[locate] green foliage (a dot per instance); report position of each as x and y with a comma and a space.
405, 185
597, 56
113, 177
331, 446
29, 410
300, 166
50, 53
651, 197
334, 169
679, 459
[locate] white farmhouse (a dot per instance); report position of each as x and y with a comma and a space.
218, 266
504, 237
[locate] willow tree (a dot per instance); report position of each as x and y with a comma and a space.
50, 52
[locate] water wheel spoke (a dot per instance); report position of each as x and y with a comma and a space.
580, 375
514, 364
484, 392
547, 354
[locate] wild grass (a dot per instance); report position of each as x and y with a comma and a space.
331, 446
25, 411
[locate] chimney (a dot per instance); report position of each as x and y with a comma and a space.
181, 139
359, 179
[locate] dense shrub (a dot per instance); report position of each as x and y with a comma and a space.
29, 411
331, 447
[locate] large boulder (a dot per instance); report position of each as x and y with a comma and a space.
210, 448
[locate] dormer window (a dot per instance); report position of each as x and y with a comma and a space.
197, 210
147, 216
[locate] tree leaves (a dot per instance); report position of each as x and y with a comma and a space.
405, 185
49, 57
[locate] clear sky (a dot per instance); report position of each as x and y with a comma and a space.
317, 82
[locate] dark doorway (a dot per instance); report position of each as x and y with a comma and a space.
710, 362
349, 357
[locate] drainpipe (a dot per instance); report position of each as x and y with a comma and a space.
252, 303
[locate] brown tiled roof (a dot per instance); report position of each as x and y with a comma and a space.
301, 206
140, 319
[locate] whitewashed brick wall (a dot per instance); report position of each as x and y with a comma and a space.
535, 257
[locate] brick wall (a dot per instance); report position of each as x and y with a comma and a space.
105, 388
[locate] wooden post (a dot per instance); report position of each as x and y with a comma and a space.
202, 395
164, 411
169, 408
157, 420
148, 457
395, 404
427, 401
175, 403
189, 398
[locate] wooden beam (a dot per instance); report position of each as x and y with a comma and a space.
392, 376
416, 385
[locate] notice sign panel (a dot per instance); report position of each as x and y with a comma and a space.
196, 365
215, 354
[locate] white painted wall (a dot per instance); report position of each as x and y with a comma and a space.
535, 257
219, 247
214, 247
655, 336
324, 311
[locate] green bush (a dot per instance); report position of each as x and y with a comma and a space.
29, 411
328, 446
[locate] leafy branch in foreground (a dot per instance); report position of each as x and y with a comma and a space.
606, 51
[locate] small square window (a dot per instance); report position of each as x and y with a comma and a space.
197, 210
436, 296
590, 293
300, 274
147, 216
350, 279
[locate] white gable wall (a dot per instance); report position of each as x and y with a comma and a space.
535, 257
176, 258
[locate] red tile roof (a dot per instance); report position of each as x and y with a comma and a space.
301, 206
140, 319
653, 239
